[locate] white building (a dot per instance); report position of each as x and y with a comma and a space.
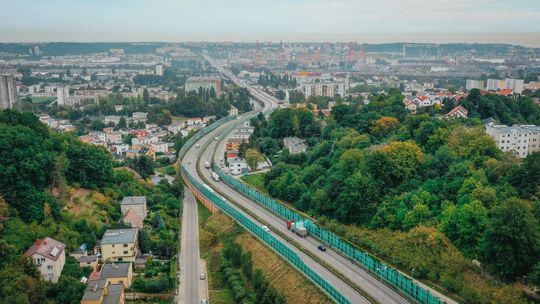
160, 147
495, 84
206, 83
159, 69
328, 89
50, 256
139, 117
114, 137
520, 139
295, 145
238, 166
137, 203
114, 119
515, 85
8, 91
62, 93
474, 84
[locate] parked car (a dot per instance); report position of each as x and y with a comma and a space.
321, 248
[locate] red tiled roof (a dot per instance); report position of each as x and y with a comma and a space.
47, 247
131, 217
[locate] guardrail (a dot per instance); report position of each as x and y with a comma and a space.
283, 250
392, 277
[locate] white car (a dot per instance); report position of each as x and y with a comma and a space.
265, 228
202, 276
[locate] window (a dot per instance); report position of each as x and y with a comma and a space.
125, 252
125, 245
49, 267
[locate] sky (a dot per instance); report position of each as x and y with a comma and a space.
373, 21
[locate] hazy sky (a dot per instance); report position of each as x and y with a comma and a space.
514, 21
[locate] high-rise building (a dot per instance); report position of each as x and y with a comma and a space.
515, 85
495, 84
474, 84
62, 94
329, 89
159, 69
8, 91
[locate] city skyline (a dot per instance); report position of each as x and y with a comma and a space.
483, 21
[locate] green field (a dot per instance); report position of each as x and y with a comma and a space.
41, 99
255, 180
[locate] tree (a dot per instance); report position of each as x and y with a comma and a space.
465, 226
122, 124
144, 241
526, 178
247, 264
253, 158
281, 95
146, 96
296, 96
144, 165
512, 240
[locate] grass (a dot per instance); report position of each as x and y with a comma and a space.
218, 291
40, 99
178, 118
217, 228
255, 180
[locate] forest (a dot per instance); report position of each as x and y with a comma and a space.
51, 184
439, 189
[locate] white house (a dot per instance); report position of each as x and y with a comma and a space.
238, 166
114, 137
160, 146
50, 256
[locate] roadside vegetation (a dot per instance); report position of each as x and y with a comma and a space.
243, 270
427, 194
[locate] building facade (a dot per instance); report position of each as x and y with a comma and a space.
120, 245
50, 256
328, 89
519, 139
8, 91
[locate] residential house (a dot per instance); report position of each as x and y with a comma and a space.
139, 117
160, 147
117, 273
120, 245
458, 112
50, 256
132, 219
99, 292
137, 203
238, 166
114, 137
112, 119
295, 145
233, 111
89, 261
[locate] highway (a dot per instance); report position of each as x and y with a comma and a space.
192, 288
367, 282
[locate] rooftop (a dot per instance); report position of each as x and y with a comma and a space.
115, 270
47, 247
119, 236
134, 200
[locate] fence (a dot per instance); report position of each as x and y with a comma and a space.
391, 276
251, 226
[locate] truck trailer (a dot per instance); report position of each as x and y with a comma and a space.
298, 228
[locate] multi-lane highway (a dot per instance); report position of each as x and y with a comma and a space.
194, 160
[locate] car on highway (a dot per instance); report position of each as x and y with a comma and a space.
202, 276
321, 248
197, 146
216, 138
265, 228
204, 301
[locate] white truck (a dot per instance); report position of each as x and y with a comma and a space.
207, 165
215, 176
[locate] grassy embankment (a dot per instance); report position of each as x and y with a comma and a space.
216, 229
428, 250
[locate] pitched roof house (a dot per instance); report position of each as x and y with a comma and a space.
50, 256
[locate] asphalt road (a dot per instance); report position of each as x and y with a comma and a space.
375, 288
192, 290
